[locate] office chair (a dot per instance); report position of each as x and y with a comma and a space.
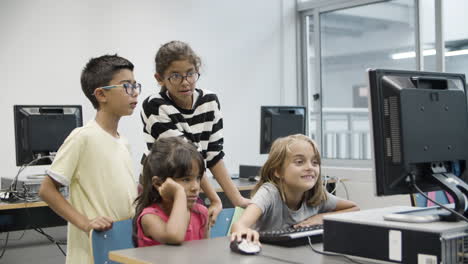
222, 223
439, 196
118, 237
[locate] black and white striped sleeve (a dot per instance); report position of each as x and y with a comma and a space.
157, 121
215, 146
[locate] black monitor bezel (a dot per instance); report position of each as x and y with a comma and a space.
264, 145
25, 157
384, 181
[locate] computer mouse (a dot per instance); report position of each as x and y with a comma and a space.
245, 247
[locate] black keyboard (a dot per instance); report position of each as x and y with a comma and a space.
292, 237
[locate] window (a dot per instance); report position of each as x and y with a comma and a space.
340, 44
455, 35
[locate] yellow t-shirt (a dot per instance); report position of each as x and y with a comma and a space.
98, 169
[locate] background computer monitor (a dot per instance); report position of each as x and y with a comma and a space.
280, 121
420, 129
41, 129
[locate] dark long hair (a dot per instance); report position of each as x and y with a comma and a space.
169, 158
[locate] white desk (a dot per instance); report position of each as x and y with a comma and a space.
216, 251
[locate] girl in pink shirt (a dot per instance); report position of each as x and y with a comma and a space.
167, 211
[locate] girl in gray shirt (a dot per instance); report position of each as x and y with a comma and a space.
290, 191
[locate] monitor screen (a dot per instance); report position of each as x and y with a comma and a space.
420, 129
280, 121
41, 129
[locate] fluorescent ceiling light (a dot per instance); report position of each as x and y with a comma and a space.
429, 52
412, 54
404, 55
456, 52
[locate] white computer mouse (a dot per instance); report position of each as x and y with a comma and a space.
245, 247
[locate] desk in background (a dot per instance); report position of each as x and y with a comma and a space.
26, 215
216, 250
244, 185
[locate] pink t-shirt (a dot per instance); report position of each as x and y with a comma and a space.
195, 229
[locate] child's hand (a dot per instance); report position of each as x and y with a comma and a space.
213, 211
169, 188
101, 223
244, 202
249, 234
313, 220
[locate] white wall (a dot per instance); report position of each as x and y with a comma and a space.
359, 186
248, 50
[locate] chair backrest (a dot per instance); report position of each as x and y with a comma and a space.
118, 237
225, 219
442, 197
222, 223
439, 196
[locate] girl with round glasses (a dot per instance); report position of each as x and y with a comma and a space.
181, 109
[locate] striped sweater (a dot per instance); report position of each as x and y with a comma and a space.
202, 125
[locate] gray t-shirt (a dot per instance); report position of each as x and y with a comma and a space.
277, 215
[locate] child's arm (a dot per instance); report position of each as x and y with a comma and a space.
49, 192
215, 206
341, 207
173, 231
207, 231
242, 227
221, 175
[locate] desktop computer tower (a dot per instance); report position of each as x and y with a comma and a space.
366, 234
29, 187
22, 185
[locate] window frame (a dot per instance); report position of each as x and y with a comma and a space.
313, 10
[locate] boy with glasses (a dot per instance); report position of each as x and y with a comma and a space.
94, 161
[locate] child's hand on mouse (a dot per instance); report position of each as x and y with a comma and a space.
249, 234
169, 188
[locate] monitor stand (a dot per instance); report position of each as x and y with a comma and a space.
420, 215
449, 183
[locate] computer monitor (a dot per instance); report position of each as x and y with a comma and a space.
420, 132
280, 121
41, 129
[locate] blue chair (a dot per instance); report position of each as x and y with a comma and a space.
118, 237
439, 196
223, 222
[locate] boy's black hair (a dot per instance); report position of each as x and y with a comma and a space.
99, 71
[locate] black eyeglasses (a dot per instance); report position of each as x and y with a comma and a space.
128, 87
177, 78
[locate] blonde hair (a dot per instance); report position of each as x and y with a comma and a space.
275, 163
